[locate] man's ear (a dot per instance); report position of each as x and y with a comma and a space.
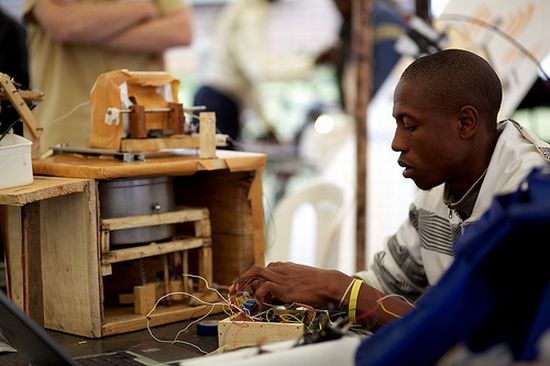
468, 121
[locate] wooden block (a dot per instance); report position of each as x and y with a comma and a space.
207, 149
106, 270
138, 128
236, 333
202, 229
144, 298
175, 117
105, 240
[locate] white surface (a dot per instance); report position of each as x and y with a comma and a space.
15, 161
339, 352
305, 225
526, 22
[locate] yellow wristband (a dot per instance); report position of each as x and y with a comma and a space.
352, 306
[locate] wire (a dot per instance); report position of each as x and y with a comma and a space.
71, 111
387, 311
513, 41
226, 302
8, 129
398, 296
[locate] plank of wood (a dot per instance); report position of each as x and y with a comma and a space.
120, 320
42, 188
237, 229
70, 263
153, 249
235, 334
185, 270
205, 266
172, 217
157, 144
32, 262
101, 168
207, 121
179, 141
13, 237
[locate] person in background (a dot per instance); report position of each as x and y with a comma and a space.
13, 62
239, 59
71, 42
388, 26
451, 146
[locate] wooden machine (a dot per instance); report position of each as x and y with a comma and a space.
140, 112
19, 98
109, 286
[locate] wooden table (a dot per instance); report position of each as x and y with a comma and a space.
53, 229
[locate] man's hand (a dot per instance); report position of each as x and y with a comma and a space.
287, 282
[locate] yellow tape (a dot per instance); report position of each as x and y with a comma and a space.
352, 306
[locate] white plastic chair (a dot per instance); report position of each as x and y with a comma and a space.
289, 228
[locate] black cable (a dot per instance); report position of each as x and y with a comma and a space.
469, 19
9, 128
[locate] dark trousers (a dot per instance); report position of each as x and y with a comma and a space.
226, 109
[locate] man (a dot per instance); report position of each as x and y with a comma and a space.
450, 145
13, 62
240, 58
71, 42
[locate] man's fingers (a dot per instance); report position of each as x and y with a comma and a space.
270, 291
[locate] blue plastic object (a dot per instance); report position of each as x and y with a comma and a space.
496, 291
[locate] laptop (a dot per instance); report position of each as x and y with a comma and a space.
32, 341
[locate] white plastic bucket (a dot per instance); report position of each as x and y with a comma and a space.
15, 161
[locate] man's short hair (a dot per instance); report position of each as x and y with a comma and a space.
456, 78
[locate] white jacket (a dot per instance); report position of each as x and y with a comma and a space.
422, 249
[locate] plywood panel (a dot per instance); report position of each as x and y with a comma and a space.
235, 334
236, 243
42, 188
72, 290
12, 234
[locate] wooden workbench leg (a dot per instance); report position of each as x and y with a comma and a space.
33, 301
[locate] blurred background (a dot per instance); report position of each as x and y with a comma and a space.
314, 137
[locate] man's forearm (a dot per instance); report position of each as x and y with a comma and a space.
374, 309
83, 22
156, 35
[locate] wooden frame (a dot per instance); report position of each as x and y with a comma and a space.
234, 334
56, 269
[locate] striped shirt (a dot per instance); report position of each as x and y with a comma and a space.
416, 256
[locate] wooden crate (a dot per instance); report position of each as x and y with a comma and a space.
57, 253
234, 334
125, 319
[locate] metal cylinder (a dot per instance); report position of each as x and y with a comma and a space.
128, 197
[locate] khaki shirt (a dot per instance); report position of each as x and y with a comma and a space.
66, 74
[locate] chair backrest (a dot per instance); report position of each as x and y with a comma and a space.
326, 200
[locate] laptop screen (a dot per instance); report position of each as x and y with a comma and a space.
28, 337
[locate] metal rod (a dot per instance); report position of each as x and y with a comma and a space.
156, 110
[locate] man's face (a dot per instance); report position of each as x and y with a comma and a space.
427, 139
